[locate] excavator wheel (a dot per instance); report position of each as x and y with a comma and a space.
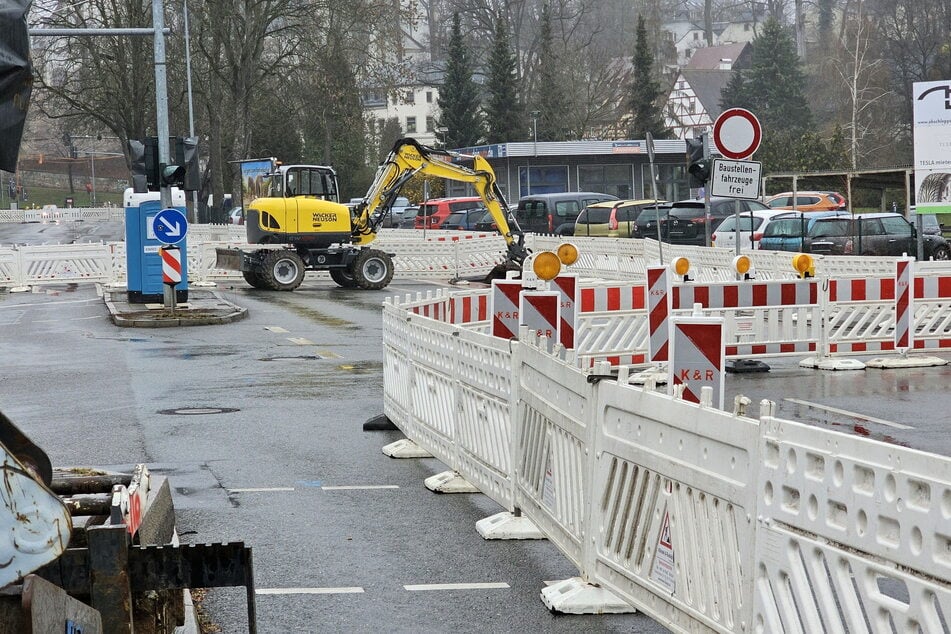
373, 269
254, 279
343, 278
283, 271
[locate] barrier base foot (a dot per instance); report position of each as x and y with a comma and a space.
380, 423
830, 363
887, 363
506, 525
20, 289
405, 448
577, 596
449, 482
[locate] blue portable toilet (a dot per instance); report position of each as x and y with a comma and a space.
143, 262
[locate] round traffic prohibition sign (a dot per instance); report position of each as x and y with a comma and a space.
737, 134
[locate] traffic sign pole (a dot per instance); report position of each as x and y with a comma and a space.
170, 227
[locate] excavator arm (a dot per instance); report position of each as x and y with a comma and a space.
408, 158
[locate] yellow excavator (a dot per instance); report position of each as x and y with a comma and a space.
299, 209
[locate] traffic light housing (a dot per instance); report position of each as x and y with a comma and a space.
143, 157
148, 175
698, 165
185, 171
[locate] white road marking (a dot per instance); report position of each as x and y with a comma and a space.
275, 329
455, 586
327, 354
31, 305
301, 341
845, 412
359, 487
261, 490
52, 321
341, 590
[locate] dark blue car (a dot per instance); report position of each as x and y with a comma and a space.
787, 232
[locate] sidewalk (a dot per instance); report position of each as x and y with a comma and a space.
205, 306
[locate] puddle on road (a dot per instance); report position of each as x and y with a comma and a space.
312, 315
316, 381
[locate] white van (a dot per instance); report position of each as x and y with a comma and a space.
132, 199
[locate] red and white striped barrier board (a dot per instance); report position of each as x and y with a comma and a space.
505, 308
539, 310
436, 310
878, 289
768, 349
468, 309
696, 357
567, 286
171, 265
622, 297
904, 303
746, 294
658, 311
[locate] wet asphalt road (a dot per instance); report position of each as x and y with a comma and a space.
294, 383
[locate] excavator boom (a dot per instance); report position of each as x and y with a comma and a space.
408, 158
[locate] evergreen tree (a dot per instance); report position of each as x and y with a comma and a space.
644, 100
549, 99
458, 99
773, 89
504, 119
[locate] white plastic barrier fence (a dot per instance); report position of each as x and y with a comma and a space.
74, 262
852, 534
861, 314
52, 213
452, 388
705, 520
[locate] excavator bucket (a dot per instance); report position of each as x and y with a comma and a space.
35, 525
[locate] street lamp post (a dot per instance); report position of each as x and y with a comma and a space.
534, 114
191, 111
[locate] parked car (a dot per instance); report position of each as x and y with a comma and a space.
464, 220
434, 212
645, 226
872, 234
236, 216
686, 222
751, 225
788, 230
611, 218
554, 213
807, 201
487, 222
408, 218
929, 223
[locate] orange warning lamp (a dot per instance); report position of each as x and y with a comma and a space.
743, 266
803, 264
546, 265
681, 266
567, 253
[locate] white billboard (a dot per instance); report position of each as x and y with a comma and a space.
932, 124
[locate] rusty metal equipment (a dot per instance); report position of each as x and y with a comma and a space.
123, 569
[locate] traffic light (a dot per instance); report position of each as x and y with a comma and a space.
143, 155
184, 170
698, 166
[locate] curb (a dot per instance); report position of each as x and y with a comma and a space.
216, 311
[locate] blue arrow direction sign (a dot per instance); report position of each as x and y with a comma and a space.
169, 226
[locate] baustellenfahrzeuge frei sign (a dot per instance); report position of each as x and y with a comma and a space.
932, 113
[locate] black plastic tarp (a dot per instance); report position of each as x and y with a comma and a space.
16, 78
